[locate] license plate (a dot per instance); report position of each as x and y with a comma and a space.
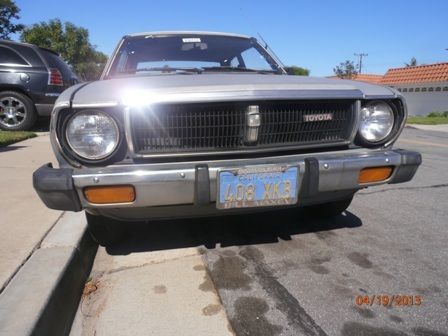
257, 187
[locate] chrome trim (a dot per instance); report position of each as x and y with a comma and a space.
111, 59
61, 105
95, 105
241, 151
15, 65
283, 92
186, 32
51, 94
393, 95
195, 95
55, 143
128, 130
273, 56
185, 164
357, 121
337, 171
251, 130
403, 123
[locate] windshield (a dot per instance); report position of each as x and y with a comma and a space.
159, 54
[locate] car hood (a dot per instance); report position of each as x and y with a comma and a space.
217, 87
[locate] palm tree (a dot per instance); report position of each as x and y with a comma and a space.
412, 63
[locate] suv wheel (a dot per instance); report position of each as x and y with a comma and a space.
17, 111
105, 231
328, 209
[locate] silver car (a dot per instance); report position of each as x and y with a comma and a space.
200, 123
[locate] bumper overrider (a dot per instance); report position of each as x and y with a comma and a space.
190, 188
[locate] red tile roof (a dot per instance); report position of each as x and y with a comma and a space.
371, 78
437, 72
368, 78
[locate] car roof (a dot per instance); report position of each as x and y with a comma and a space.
27, 45
187, 32
16, 43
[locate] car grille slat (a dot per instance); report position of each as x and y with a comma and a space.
208, 127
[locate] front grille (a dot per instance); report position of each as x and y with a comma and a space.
195, 128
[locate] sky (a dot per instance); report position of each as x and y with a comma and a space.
317, 35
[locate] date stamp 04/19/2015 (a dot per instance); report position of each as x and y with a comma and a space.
387, 300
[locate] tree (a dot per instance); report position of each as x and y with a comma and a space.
71, 43
8, 13
412, 63
346, 70
298, 71
93, 67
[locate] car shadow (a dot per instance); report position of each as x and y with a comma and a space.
10, 148
42, 125
235, 230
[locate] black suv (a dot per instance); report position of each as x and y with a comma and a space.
31, 78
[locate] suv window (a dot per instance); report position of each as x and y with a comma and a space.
9, 56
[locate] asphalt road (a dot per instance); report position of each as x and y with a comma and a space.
281, 273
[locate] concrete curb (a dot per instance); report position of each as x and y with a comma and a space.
410, 126
435, 128
43, 297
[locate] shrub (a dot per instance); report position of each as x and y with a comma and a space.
434, 114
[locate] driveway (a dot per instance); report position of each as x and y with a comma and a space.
281, 273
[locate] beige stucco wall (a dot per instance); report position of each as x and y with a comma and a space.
422, 103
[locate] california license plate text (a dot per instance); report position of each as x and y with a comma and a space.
259, 188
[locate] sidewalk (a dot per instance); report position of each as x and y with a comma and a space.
24, 219
437, 128
151, 292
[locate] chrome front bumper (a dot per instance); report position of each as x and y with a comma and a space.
164, 185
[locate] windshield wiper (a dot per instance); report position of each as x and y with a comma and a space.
237, 69
199, 70
167, 70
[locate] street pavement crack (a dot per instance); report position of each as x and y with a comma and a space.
285, 301
444, 185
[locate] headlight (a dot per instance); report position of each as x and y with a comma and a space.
377, 121
92, 134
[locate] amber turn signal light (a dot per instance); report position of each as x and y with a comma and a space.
110, 194
374, 174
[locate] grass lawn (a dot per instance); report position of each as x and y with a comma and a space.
428, 120
7, 137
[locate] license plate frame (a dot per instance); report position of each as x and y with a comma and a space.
273, 174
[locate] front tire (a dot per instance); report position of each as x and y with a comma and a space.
17, 112
105, 231
330, 209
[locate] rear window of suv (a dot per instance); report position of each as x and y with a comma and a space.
54, 61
